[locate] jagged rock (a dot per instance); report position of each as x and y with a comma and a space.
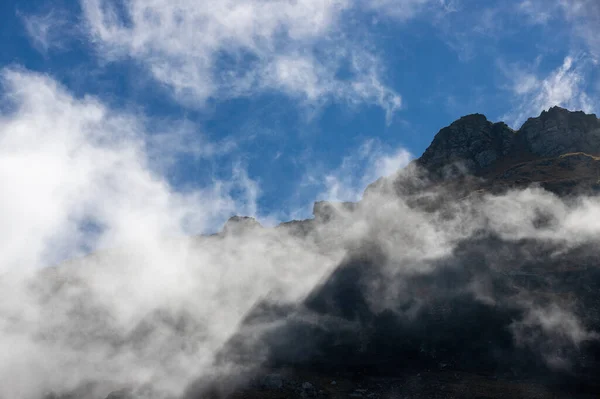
476, 144
473, 142
435, 322
559, 131
557, 150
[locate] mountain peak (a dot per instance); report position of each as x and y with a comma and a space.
471, 119
472, 143
559, 131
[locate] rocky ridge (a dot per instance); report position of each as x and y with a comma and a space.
443, 340
437, 338
559, 151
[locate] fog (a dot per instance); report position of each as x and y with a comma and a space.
107, 280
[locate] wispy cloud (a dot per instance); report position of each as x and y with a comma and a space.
81, 176
402, 10
533, 92
581, 17
49, 31
236, 48
371, 161
584, 16
153, 306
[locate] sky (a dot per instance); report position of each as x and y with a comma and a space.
129, 127
282, 103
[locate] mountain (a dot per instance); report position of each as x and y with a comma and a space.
482, 146
474, 272
558, 150
460, 314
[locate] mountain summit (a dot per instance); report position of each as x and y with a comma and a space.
558, 150
471, 273
479, 144
443, 285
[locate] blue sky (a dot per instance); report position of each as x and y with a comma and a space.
128, 127
274, 103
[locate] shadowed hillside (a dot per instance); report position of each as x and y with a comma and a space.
470, 273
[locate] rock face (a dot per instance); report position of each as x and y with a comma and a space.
438, 319
559, 131
477, 316
477, 145
472, 141
558, 150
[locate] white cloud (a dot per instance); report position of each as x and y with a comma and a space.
113, 315
565, 86
538, 12
48, 31
67, 164
357, 171
401, 9
581, 16
584, 16
233, 48
85, 161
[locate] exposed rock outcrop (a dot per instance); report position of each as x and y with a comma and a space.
559, 131
436, 321
557, 150
476, 146
472, 142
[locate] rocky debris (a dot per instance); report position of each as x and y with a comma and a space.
566, 175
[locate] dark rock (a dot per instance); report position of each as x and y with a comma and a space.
472, 143
307, 390
272, 381
559, 131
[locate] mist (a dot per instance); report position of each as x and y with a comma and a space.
111, 279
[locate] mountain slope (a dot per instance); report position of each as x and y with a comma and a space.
502, 304
472, 273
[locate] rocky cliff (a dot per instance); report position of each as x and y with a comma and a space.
558, 150
484, 308
472, 273
479, 145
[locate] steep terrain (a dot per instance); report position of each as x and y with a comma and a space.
461, 315
558, 151
472, 273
